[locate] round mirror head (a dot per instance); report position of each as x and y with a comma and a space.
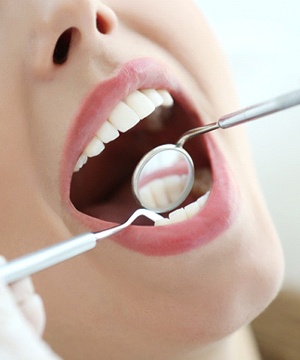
163, 178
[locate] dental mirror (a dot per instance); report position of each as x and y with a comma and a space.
164, 177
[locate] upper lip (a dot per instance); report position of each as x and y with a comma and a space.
95, 109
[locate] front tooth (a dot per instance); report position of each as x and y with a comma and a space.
94, 148
107, 132
140, 104
178, 216
167, 98
123, 117
154, 96
137, 106
162, 222
192, 209
188, 211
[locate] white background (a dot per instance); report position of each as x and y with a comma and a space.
262, 41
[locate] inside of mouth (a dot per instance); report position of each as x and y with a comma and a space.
102, 188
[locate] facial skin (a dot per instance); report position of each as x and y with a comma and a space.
113, 301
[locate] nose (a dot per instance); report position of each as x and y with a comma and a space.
84, 19
70, 26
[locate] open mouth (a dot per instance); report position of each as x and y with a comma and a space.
123, 119
145, 119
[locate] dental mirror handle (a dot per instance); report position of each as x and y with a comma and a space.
34, 262
259, 110
254, 112
41, 259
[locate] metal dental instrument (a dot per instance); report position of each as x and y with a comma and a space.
39, 260
170, 166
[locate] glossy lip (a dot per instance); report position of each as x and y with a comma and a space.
222, 205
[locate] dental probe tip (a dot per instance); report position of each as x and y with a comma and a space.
114, 230
143, 212
151, 215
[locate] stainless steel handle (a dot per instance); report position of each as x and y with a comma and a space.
259, 110
247, 114
39, 260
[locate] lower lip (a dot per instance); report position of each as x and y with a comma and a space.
217, 216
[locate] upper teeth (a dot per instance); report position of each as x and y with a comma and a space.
137, 106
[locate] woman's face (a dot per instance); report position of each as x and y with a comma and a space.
65, 68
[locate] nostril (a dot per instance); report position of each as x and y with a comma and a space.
62, 47
102, 25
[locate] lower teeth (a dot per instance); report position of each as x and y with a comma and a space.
185, 213
201, 189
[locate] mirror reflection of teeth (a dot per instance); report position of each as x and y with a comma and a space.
159, 193
184, 213
201, 189
137, 106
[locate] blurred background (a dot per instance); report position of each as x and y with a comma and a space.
262, 42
